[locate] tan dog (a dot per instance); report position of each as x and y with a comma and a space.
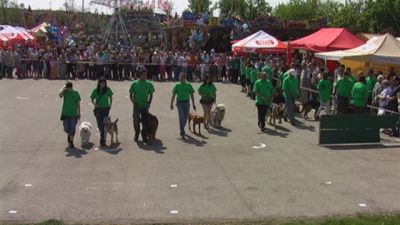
197, 120
275, 113
111, 128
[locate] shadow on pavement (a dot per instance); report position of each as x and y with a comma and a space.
275, 133
191, 140
219, 131
377, 146
157, 146
88, 146
113, 149
75, 152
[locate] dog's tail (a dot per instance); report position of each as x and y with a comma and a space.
116, 121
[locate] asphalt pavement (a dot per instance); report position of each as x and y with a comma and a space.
232, 173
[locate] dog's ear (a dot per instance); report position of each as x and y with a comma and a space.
116, 121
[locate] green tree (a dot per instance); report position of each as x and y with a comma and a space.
383, 16
245, 9
255, 8
200, 6
298, 9
232, 8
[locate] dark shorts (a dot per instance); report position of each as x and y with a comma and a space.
69, 124
206, 102
248, 81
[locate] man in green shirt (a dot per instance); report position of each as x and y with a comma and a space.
268, 71
370, 81
342, 90
71, 111
141, 94
183, 92
325, 89
243, 75
291, 92
263, 90
359, 95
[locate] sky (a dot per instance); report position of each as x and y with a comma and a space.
179, 5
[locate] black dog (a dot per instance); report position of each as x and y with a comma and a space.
150, 128
310, 104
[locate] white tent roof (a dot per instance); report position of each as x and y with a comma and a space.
259, 41
383, 49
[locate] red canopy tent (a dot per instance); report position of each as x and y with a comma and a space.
327, 39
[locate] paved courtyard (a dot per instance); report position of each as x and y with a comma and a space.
232, 173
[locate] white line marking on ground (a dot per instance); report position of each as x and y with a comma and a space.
362, 205
328, 182
22, 98
174, 212
262, 145
28, 185
12, 211
173, 185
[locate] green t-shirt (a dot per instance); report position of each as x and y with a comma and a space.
247, 72
282, 77
352, 78
70, 99
102, 99
325, 88
370, 83
343, 87
141, 91
290, 87
253, 75
207, 91
267, 70
183, 91
242, 69
359, 94
265, 89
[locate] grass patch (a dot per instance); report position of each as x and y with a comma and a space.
355, 220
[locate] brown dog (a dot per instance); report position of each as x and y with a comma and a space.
197, 120
274, 113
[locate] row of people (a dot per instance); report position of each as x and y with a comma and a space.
141, 95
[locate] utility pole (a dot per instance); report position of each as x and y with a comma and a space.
83, 6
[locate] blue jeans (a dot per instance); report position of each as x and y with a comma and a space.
290, 109
183, 113
100, 114
262, 112
69, 124
140, 116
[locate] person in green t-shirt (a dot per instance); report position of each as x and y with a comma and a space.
359, 95
268, 71
249, 69
102, 100
141, 94
263, 90
342, 91
243, 75
71, 111
370, 81
208, 93
324, 87
183, 92
291, 91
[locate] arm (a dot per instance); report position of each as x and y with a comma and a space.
111, 101
172, 101
132, 96
150, 99
194, 105
78, 108
61, 94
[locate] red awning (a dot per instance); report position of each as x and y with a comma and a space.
327, 39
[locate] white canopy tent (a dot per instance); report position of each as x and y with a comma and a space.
383, 49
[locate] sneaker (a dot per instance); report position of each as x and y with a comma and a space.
136, 138
317, 118
183, 136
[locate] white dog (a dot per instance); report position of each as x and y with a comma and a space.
85, 132
217, 115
